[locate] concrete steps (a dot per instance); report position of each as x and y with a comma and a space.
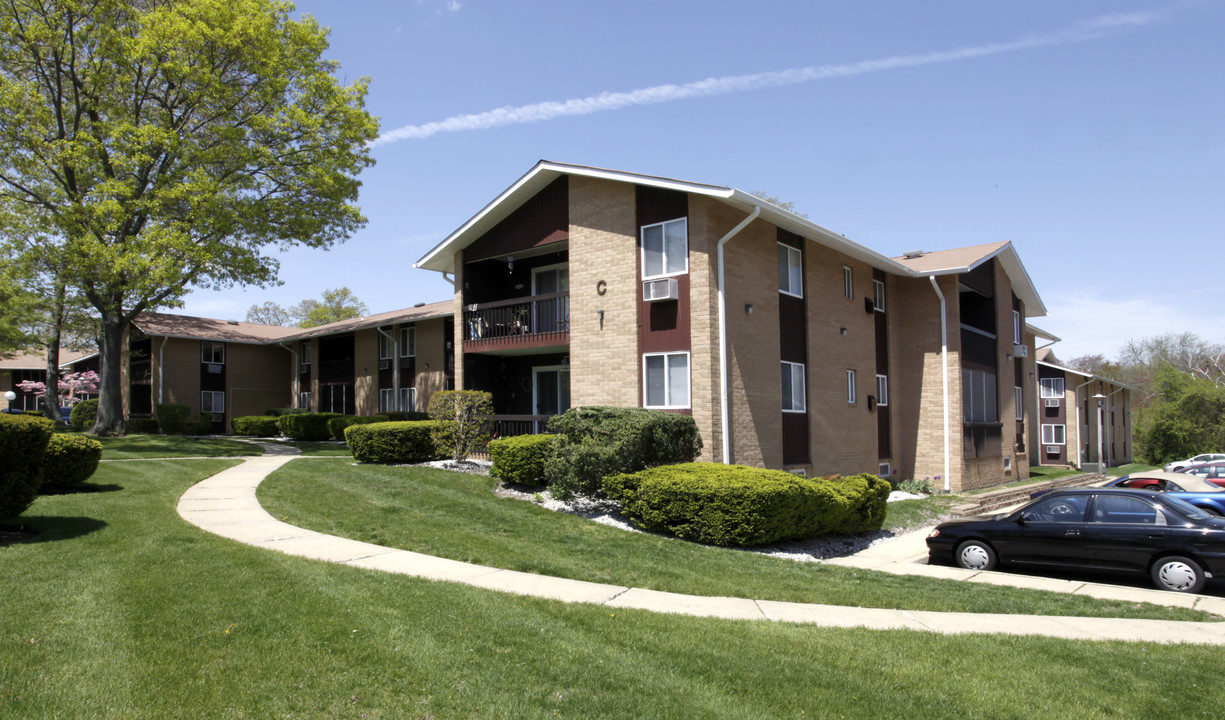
996, 500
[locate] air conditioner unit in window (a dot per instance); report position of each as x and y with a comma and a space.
1052, 449
662, 289
1052, 402
215, 368
384, 364
1020, 351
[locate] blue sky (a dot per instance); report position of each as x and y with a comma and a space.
1089, 134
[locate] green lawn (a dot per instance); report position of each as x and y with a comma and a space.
170, 446
120, 609
457, 516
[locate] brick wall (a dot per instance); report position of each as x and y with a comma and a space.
430, 352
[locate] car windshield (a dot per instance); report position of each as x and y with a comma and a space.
1186, 508
1192, 483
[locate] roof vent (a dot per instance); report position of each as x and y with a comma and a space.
420, 304
912, 254
231, 322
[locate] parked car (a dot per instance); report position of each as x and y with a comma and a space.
1195, 490
1175, 543
1177, 465
1212, 472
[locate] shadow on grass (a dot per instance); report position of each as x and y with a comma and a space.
40, 529
84, 489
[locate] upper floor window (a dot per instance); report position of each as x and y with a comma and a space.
979, 400
304, 354
848, 283
882, 390
408, 342
667, 380
790, 271
1052, 387
851, 393
878, 295
386, 343
665, 248
212, 353
1017, 338
1019, 401
793, 387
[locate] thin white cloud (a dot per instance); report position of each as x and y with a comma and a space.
1083, 31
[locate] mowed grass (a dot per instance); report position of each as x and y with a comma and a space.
169, 446
457, 516
120, 609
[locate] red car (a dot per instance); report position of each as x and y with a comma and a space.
1212, 472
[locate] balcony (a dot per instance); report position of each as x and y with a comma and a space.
538, 321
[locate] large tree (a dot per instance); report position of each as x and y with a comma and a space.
167, 143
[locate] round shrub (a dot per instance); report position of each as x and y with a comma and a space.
392, 442
336, 426
307, 426
520, 459
84, 414
70, 460
734, 505
256, 425
23, 447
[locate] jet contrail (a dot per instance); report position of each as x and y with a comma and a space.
537, 112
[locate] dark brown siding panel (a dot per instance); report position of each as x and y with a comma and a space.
542, 220
795, 439
793, 335
664, 324
656, 205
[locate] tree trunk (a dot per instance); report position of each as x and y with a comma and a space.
110, 421
52, 395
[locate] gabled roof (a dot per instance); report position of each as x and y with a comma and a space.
197, 328
1040, 333
1082, 373
38, 361
416, 313
442, 257
961, 260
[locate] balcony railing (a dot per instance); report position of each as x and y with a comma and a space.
512, 425
540, 319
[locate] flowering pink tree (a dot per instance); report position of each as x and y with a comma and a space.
72, 388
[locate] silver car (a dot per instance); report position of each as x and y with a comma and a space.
1177, 465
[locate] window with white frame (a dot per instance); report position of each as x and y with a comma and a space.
1019, 401
386, 344
882, 390
387, 399
848, 283
304, 353
878, 295
884, 471
212, 353
212, 401
408, 399
1053, 435
793, 387
1017, 339
1052, 387
665, 249
666, 380
304, 400
850, 387
790, 271
408, 342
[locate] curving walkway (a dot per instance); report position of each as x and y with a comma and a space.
225, 504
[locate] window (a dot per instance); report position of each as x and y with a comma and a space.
408, 342
1019, 402
979, 398
1052, 387
1053, 435
793, 387
667, 380
665, 249
212, 353
386, 343
790, 271
878, 295
408, 399
1120, 509
304, 354
883, 470
848, 283
1062, 509
387, 399
304, 400
882, 390
212, 402
1016, 328
850, 387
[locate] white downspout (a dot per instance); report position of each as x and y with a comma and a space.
1079, 441
944, 376
295, 388
161, 370
395, 366
723, 392
449, 279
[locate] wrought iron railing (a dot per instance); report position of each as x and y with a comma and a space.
539, 317
512, 425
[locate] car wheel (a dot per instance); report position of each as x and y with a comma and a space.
975, 555
1179, 574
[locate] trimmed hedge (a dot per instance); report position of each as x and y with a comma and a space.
403, 415
599, 441
84, 414
23, 448
256, 425
172, 418
278, 412
336, 426
142, 426
739, 506
307, 426
70, 460
520, 459
392, 442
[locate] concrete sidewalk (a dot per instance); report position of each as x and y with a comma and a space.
225, 504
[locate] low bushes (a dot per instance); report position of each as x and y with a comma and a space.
172, 418
84, 414
392, 442
520, 459
142, 426
256, 425
600, 441
23, 447
463, 421
734, 505
402, 415
337, 425
307, 426
70, 460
